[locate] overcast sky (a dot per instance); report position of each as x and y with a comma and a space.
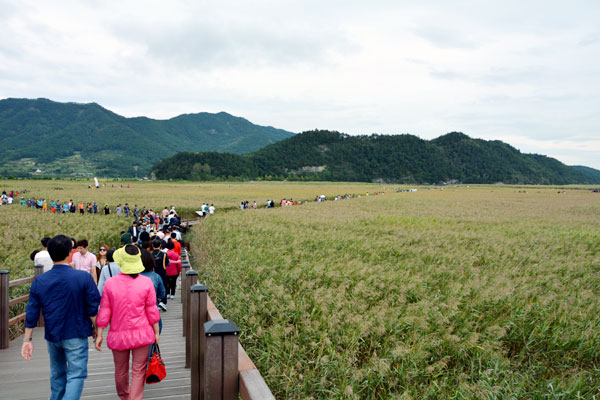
525, 72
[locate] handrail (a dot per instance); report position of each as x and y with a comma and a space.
207, 352
21, 281
6, 302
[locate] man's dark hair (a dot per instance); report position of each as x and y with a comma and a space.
131, 250
170, 245
59, 247
173, 235
109, 255
156, 243
147, 260
82, 243
45, 241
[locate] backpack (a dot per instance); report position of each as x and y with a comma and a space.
160, 261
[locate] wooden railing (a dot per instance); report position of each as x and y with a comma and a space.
219, 366
6, 302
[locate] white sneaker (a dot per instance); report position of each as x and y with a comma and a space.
162, 306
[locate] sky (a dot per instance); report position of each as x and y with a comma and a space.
522, 72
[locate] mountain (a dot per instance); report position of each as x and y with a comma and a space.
334, 156
590, 172
84, 139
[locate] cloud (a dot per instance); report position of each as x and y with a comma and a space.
590, 39
446, 38
425, 68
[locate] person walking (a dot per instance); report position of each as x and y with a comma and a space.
43, 257
108, 271
101, 260
159, 287
85, 260
173, 269
129, 305
161, 260
68, 300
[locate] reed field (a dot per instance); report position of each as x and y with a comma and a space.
185, 196
462, 293
482, 292
22, 227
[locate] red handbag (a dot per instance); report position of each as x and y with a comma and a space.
156, 367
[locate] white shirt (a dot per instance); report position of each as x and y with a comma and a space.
43, 258
211, 210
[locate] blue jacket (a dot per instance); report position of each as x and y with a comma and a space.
159, 286
67, 299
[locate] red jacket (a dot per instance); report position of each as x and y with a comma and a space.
177, 246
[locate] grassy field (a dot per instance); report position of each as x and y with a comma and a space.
22, 228
466, 293
461, 293
186, 196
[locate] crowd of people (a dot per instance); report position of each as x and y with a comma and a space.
167, 215
8, 198
81, 292
246, 205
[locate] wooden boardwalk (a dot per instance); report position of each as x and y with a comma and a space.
30, 379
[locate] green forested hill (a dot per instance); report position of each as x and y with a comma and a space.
327, 155
591, 172
72, 138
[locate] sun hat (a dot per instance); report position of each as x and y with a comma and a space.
130, 264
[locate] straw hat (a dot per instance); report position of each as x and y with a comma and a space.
130, 264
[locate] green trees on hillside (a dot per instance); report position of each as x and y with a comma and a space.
330, 155
49, 133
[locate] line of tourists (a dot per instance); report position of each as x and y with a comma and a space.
7, 198
81, 293
284, 202
59, 207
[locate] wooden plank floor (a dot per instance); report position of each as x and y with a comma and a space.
30, 379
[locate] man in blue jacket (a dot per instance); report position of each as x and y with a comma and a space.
68, 300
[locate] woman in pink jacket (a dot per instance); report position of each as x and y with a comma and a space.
129, 304
173, 269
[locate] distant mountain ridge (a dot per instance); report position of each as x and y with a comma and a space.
334, 156
82, 139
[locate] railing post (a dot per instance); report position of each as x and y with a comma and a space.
191, 278
184, 268
39, 269
221, 360
4, 297
198, 316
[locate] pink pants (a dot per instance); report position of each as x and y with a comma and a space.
138, 372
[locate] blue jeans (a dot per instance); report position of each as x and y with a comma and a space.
68, 368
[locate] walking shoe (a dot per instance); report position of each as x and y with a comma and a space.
162, 306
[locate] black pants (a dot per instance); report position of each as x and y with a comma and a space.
172, 284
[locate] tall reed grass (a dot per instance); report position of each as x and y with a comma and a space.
467, 293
